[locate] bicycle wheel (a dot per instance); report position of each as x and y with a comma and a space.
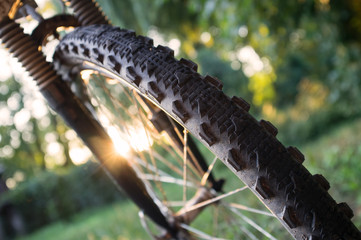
249, 148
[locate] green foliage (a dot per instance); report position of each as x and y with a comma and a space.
302, 39
290, 75
347, 16
346, 162
26, 121
115, 221
57, 196
234, 80
321, 122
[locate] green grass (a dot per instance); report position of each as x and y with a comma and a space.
118, 221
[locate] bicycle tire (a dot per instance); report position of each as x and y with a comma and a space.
249, 148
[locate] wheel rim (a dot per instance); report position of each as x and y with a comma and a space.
231, 218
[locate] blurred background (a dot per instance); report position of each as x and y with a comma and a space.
296, 62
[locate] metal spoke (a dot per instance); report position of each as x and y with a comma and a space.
199, 233
206, 174
144, 224
150, 167
197, 168
169, 179
253, 224
178, 156
215, 220
185, 165
146, 129
248, 233
168, 164
210, 201
245, 208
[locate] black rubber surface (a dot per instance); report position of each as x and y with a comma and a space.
247, 146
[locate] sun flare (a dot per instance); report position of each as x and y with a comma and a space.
136, 140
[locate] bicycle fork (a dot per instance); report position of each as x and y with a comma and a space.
61, 99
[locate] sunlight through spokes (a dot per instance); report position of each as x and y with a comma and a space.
121, 146
86, 74
136, 140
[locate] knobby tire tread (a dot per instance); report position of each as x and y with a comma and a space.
247, 146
